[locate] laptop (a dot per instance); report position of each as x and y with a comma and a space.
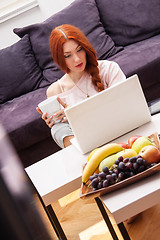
107, 115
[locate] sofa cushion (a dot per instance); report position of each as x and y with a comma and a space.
81, 13
142, 58
21, 120
130, 21
19, 71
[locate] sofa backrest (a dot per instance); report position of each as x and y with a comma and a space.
129, 21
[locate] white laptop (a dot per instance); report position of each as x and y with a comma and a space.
108, 114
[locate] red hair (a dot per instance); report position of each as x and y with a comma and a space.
62, 34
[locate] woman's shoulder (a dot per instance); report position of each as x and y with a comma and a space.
53, 89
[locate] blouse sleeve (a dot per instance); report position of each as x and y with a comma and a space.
110, 73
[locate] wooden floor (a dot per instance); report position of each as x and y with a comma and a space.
81, 220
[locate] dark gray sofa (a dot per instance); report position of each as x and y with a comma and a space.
127, 32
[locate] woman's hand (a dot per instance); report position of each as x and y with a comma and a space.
59, 115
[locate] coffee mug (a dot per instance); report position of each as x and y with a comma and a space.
50, 106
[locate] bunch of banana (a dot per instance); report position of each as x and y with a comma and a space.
97, 157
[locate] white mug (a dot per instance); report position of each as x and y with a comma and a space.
50, 106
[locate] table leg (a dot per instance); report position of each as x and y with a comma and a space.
123, 231
106, 218
56, 224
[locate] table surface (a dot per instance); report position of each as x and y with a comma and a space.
129, 201
60, 174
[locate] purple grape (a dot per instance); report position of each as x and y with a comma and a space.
121, 175
135, 166
105, 170
105, 183
110, 179
117, 162
100, 185
139, 161
129, 165
126, 160
102, 175
121, 166
114, 175
93, 176
120, 158
95, 182
141, 168
133, 159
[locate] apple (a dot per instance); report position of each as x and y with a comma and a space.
123, 145
150, 153
141, 142
132, 139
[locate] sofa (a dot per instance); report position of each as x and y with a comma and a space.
127, 32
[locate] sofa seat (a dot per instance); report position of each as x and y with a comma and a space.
28, 127
142, 58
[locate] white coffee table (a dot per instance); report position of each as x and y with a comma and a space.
60, 173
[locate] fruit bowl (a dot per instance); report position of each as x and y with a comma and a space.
88, 191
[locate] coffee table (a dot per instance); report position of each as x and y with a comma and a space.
60, 173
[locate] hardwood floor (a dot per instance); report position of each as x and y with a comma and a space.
81, 220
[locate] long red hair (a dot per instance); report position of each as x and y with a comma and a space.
63, 33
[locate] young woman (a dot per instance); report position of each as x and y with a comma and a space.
84, 76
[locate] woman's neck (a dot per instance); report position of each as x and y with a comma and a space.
76, 76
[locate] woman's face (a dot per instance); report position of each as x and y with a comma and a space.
75, 56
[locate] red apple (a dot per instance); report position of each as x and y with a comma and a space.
132, 139
150, 153
124, 145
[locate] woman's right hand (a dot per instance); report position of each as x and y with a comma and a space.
44, 117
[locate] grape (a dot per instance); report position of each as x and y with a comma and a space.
93, 176
131, 174
100, 185
135, 166
120, 159
132, 159
114, 175
126, 160
110, 179
144, 162
129, 165
117, 162
105, 183
141, 168
121, 175
105, 170
102, 175
139, 161
121, 166
95, 182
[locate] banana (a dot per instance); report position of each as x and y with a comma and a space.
110, 160
97, 157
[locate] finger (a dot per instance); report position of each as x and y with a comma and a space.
48, 120
60, 114
61, 102
51, 124
44, 116
64, 119
38, 110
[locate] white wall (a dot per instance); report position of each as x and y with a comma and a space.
45, 9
